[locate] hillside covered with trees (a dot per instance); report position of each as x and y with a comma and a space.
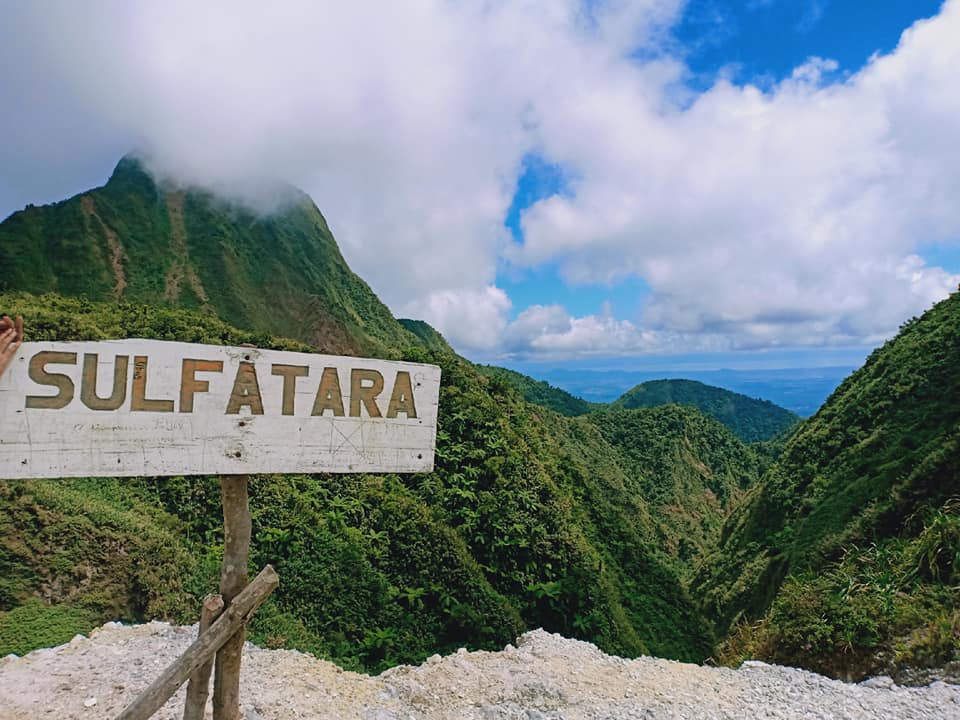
642, 529
528, 520
849, 548
146, 242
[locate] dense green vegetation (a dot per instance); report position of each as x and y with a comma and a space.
849, 548
750, 419
76, 553
689, 468
528, 520
888, 607
833, 544
428, 335
539, 392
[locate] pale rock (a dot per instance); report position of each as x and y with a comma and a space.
880, 682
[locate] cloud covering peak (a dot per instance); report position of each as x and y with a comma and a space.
782, 215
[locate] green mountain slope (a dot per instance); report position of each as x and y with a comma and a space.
750, 419
539, 392
529, 520
429, 336
133, 239
849, 549
642, 529
689, 468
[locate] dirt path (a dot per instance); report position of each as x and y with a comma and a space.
181, 269
117, 254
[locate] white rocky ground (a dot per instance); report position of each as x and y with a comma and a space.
546, 676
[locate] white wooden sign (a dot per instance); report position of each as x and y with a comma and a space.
146, 407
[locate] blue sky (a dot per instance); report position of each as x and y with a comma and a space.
748, 183
750, 41
543, 285
768, 38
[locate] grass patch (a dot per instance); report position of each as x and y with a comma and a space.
36, 625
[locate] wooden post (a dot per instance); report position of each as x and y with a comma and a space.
199, 686
233, 579
203, 648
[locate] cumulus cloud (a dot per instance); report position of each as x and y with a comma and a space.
789, 215
470, 319
781, 217
392, 116
549, 330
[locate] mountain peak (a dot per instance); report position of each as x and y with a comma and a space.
132, 175
129, 164
260, 196
152, 240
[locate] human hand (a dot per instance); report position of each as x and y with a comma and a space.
11, 335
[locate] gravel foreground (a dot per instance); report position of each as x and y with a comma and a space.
545, 677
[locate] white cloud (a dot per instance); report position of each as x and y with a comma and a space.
756, 218
471, 319
549, 330
777, 218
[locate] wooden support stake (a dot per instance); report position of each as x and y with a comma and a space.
233, 578
199, 686
203, 648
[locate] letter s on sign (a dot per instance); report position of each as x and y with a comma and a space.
38, 373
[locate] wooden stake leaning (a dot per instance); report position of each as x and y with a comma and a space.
233, 579
203, 648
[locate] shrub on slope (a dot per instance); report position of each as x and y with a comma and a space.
866, 477
527, 521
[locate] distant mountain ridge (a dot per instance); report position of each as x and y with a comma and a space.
801, 390
750, 419
139, 240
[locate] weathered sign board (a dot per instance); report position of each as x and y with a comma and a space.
147, 407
